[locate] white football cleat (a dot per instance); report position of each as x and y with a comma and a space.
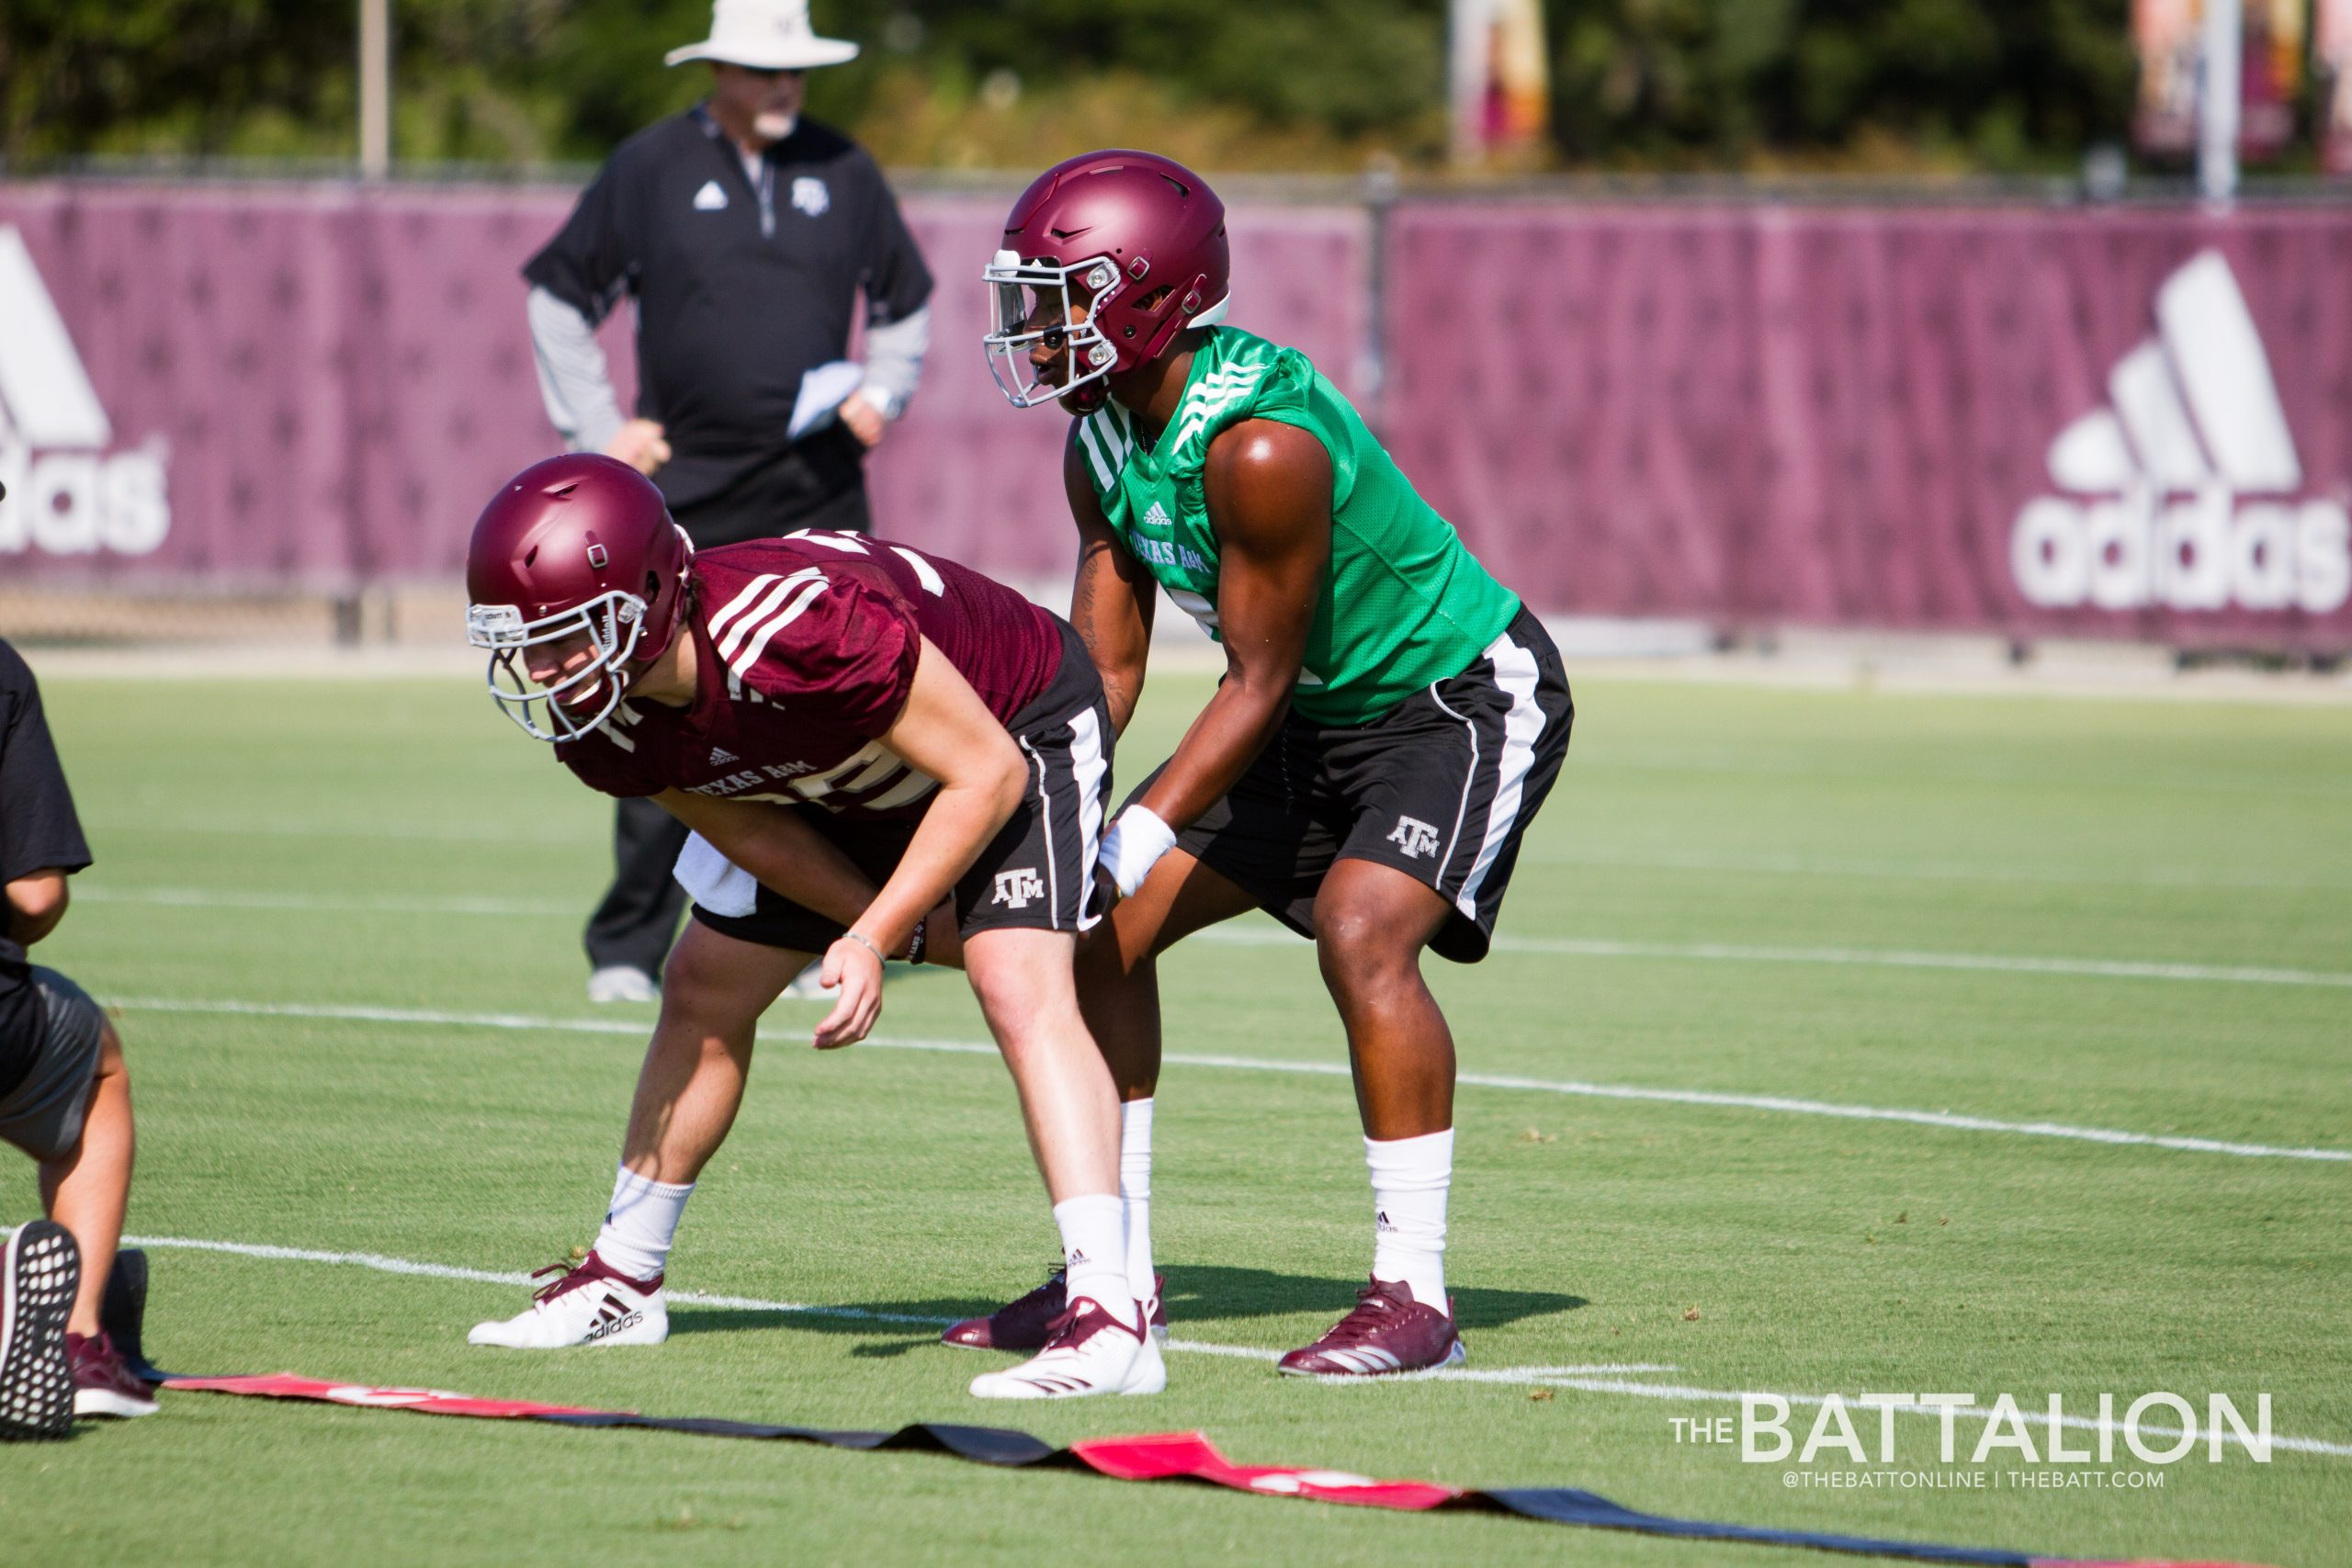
622, 983
591, 1303
1090, 1352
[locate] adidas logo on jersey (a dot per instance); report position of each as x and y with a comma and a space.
712, 197
1156, 517
2183, 491
67, 493
720, 756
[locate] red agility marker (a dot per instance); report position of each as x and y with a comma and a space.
1191, 1456
429, 1400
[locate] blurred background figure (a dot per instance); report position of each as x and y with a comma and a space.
745, 233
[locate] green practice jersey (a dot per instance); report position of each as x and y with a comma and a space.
1403, 602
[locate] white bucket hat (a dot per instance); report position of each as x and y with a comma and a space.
767, 35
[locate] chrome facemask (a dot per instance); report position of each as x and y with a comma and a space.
612, 623
1021, 293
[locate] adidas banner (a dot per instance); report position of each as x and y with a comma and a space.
1171, 1456
2107, 423
2123, 423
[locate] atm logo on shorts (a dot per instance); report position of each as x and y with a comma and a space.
1415, 837
1016, 888
2186, 490
70, 492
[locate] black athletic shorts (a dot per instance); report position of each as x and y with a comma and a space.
1442, 786
42, 1116
1036, 874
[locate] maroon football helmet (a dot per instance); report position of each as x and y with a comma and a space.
577, 545
1136, 239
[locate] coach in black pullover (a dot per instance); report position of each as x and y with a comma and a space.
745, 233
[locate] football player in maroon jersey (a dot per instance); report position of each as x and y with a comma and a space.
880, 753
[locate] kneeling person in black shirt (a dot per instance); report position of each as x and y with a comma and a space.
64, 1099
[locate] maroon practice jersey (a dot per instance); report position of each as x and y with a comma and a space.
805, 651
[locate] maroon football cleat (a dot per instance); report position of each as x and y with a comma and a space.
102, 1384
1388, 1332
1028, 1323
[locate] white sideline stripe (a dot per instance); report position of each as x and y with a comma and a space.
1254, 936
2185, 878
1602, 1378
370, 903
1943, 1119
1870, 957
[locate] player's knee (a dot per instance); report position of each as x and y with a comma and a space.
1357, 951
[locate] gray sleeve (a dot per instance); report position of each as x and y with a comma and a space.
573, 380
894, 354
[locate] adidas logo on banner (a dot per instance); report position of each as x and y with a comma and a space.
2183, 491
67, 494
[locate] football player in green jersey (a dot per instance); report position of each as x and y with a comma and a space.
1390, 720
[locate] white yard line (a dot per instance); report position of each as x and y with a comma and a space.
1600, 1378
1868, 957
1276, 936
2164, 878
637, 1026
337, 903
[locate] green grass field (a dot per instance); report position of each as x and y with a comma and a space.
1709, 903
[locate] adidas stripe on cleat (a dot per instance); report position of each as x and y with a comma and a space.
590, 1303
1090, 1352
40, 1269
1387, 1333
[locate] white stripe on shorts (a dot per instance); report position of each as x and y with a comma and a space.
1046, 821
1516, 674
1087, 768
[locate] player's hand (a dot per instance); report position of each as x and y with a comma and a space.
864, 420
1106, 890
851, 969
640, 445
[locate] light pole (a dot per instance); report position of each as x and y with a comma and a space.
374, 89
2218, 96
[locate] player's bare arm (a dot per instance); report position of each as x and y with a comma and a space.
35, 903
1111, 603
1269, 492
946, 732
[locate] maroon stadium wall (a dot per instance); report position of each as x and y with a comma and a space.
2090, 422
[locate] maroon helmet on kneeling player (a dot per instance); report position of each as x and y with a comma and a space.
576, 546
1136, 239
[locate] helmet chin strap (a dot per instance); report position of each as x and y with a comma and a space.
1089, 398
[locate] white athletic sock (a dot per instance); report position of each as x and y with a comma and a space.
1410, 1177
1095, 1251
641, 1223
1135, 1192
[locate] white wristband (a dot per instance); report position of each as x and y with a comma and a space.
1133, 846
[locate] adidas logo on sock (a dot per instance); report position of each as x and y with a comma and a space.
2183, 491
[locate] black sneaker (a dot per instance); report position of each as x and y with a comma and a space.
40, 1269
